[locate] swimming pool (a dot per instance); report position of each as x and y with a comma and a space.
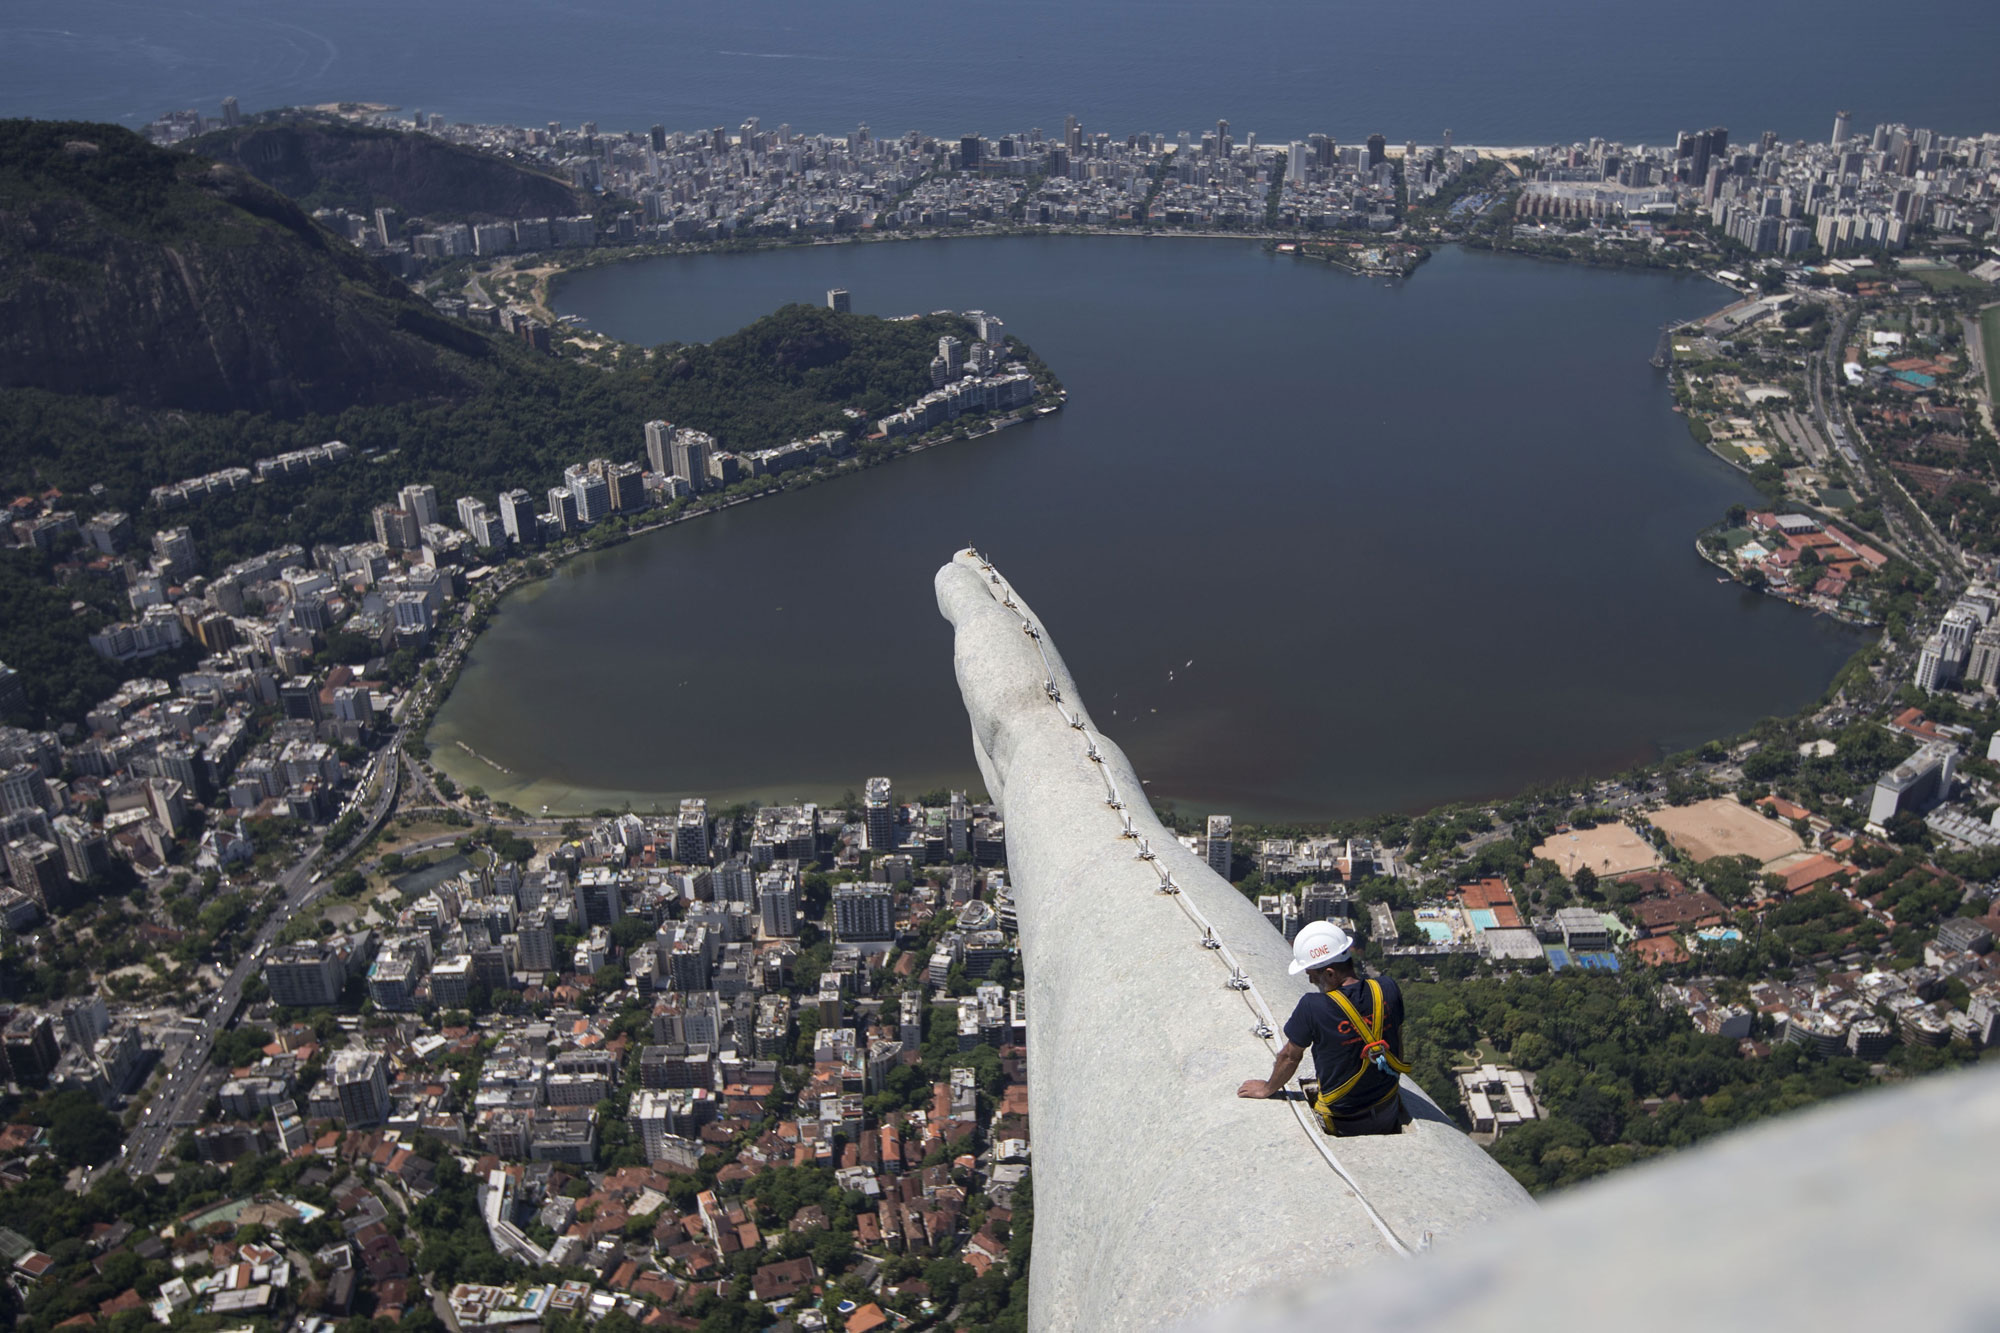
1437, 932
1482, 918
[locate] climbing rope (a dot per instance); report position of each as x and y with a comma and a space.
1265, 1026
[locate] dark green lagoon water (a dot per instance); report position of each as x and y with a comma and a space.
1421, 542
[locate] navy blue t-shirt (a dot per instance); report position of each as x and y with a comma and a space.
1321, 1026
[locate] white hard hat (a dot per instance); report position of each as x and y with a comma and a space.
1320, 944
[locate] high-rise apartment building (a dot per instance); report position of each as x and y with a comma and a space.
778, 909
421, 501
22, 788
86, 855
362, 1085
517, 515
690, 1018
1219, 851
691, 451
29, 1043
627, 483
838, 300
535, 943
597, 893
397, 528
864, 912
305, 975
691, 832
687, 964
659, 446
38, 870
175, 553
880, 812
562, 510
958, 825
591, 492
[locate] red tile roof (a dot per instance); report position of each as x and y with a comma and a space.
1786, 809
1810, 872
1912, 722
1657, 950
868, 1318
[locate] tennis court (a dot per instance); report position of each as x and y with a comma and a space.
1560, 958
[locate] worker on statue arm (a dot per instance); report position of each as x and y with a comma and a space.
1354, 1028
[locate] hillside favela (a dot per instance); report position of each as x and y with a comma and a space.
537, 793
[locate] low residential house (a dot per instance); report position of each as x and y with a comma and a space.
782, 1281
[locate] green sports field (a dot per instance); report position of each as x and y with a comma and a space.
1989, 337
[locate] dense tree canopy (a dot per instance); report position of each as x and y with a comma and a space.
784, 377
1619, 1077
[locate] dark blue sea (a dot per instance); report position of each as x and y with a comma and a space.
1529, 72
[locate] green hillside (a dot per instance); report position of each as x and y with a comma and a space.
165, 280
783, 377
321, 162
163, 316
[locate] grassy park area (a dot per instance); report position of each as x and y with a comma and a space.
1945, 278
1989, 338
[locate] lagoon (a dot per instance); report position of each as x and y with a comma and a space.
1314, 545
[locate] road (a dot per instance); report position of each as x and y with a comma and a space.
181, 1099
1918, 539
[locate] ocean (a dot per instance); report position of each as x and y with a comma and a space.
1535, 71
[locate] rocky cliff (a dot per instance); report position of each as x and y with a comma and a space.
168, 280
328, 163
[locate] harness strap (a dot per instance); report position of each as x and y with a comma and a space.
1375, 1050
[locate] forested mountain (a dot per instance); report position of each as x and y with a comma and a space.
783, 377
160, 279
163, 316
322, 162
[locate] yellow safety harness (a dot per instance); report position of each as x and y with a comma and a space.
1374, 1051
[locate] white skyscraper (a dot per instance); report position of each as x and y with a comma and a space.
659, 446
517, 515
1934, 664
691, 450
421, 501
592, 493
778, 906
